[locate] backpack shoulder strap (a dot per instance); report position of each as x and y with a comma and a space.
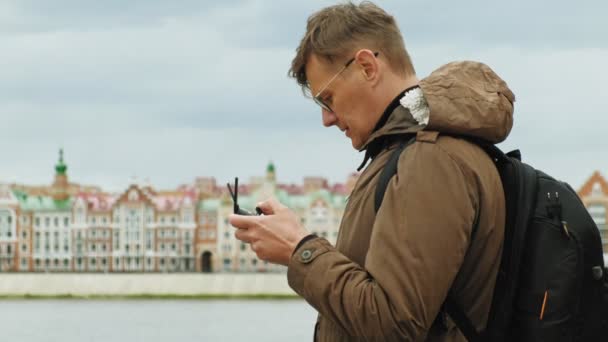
390, 169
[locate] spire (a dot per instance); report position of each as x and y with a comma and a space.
270, 172
60, 185
61, 168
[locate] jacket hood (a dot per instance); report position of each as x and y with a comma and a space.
468, 98
463, 98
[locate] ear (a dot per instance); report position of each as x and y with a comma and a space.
368, 64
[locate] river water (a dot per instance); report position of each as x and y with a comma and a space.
155, 320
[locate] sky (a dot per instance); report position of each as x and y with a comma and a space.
173, 90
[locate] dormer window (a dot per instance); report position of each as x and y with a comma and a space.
133, 196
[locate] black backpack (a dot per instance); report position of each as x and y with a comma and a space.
552, 284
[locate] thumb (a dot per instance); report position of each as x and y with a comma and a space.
271, 206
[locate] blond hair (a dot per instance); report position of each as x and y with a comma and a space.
337, 31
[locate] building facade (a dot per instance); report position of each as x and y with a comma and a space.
594, 194
66, 227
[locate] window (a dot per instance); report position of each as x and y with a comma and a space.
24, 234
173, 247
243, 246
133, 195
66, 221
187, 248
24, 248
116, 240
187, 216
47, 222
598, 213
56, 221
37, 222
65, 262
597, 189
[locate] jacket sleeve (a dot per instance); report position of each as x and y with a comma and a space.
419, 240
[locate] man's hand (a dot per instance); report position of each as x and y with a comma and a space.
274, 235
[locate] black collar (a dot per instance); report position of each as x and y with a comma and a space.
374, 147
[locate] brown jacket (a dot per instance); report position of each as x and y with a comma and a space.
390, 272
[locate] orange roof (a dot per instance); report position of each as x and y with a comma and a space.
587, 187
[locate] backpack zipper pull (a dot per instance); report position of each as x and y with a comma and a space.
565, 227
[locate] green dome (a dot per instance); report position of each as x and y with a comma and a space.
61, 168
270, 167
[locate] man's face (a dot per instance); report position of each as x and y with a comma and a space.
349, 95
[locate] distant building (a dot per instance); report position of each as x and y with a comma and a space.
594, 194
67, 227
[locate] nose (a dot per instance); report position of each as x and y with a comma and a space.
329, 118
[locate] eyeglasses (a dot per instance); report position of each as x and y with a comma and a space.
319, 100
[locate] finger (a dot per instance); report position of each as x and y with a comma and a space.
243, 235
271, 206
255, 246
241, 221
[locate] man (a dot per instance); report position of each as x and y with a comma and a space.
440, 227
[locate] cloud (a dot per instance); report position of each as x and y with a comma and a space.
175, 90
